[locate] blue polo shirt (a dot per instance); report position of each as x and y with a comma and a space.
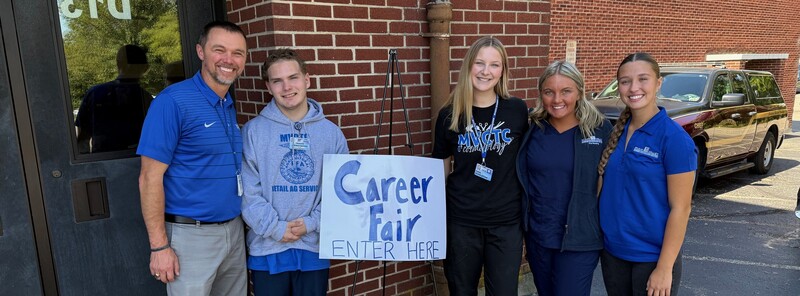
634, 204
192, 130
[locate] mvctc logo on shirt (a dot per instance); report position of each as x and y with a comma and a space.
481, 136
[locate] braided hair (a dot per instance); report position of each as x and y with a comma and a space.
613, 140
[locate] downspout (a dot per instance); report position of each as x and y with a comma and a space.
440, 12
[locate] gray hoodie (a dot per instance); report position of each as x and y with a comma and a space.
282, 184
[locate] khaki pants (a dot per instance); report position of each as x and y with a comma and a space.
211, 258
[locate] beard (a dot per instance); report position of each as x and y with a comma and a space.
220, 80
215, 74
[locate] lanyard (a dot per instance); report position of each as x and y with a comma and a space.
485, 146
225, 123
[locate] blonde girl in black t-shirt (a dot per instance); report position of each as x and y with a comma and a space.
480, 129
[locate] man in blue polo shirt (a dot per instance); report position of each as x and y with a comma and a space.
190, 182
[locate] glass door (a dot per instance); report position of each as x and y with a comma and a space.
89, 69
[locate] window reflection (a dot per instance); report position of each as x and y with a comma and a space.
111, 114
119, 54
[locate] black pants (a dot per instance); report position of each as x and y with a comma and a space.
624, 277
497, 250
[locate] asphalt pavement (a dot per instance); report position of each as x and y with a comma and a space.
743, 236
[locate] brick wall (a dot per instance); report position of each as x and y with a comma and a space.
676, 31
346, 43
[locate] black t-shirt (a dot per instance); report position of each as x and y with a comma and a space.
471, 200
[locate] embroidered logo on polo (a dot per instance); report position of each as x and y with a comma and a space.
646, 151
481, 136
592, 141
207, 125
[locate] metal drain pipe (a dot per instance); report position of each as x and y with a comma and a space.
439, 15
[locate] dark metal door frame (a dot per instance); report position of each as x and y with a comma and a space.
29, 38
27, 149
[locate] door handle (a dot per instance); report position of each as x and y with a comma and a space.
90, 199
752, 113
736, 116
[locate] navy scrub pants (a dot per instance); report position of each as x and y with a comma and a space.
557, 273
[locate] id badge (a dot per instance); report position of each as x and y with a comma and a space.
239, 186
483, 172
298, 143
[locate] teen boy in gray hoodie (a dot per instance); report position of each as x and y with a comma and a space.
281, 173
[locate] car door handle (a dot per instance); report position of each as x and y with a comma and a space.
752, 113
736, 116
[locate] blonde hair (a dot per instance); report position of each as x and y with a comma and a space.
616, 133
461, 96
588, 116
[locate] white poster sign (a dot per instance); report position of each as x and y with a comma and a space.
382, 207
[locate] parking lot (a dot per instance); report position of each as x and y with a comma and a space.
743, 236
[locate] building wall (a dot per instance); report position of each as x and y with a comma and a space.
346, 44
677, 31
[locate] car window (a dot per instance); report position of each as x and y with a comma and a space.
739, 83
765, 89
722, 86
772, 87
610, 91
685, 87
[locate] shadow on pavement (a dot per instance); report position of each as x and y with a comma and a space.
724, 184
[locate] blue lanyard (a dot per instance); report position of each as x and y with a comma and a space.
485, 146
225, 124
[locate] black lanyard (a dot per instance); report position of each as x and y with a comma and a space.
225, 123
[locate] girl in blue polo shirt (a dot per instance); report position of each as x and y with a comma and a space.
557, 166
646, 173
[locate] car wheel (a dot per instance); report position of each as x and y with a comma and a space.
701, 164
765, 155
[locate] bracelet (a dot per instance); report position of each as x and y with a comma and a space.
164, 247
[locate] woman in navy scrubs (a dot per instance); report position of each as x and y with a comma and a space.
480, 130
647, 172
557, 166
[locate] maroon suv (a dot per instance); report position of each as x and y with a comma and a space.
736, 118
